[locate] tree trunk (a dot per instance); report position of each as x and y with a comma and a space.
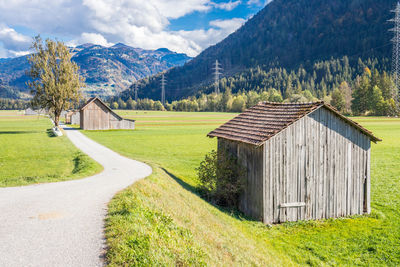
56, 118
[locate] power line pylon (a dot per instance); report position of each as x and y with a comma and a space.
163, 84
217, 72
136, 91
396, 52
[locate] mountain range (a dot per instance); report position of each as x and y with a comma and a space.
290, 34
107, 70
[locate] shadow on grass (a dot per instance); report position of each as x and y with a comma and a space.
231, 212
185, 185
50, 133
18, 132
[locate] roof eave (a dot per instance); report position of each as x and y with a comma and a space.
210, 135
93, 99
353, 123
318, 106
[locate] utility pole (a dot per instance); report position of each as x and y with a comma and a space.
163, 83
136, 91
217, 72
396, 52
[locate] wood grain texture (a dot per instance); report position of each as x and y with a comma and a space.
96, 116
320, 160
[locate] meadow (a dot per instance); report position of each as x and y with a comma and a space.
29, 154
162, 221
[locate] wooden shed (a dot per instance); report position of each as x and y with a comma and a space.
73, 117
96, 115
30, 112
68, 116
76, 118
304, 161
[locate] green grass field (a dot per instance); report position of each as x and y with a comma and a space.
28, 153
161, 221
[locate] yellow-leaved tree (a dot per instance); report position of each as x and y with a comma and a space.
56, 84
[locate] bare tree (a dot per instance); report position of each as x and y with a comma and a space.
56, 83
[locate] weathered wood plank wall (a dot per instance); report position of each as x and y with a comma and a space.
116, 123
250, 157
96, 116
75, 118
316, 168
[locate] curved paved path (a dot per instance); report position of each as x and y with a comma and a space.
61, 224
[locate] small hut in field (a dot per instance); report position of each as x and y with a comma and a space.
304, 161
76, 118
30, 112
72, 117
68, 116
96, 115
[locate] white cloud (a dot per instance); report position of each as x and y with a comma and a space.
18, 53
220, 29
228, 24
13, 44
228, 6
93, 38
12, 39
258, 2
134, 22
177, 8
253, 2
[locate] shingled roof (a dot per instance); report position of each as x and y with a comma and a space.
261, 122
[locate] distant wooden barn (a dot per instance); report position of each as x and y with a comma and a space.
73, 117
76, 118
304, 161
68, 116
30, 112
96, 115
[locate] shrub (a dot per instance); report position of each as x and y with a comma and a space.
207, 173
221, 178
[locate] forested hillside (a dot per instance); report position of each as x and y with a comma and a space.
309, 38
371, 93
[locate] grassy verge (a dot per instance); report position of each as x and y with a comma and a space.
161, 221
29, 154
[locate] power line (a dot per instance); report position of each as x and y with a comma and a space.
217, 72
163, 83
396, 51
136, 91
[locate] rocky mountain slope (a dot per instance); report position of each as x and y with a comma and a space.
107, 70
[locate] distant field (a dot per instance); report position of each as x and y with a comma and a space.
161, 221
162, 118
29, 155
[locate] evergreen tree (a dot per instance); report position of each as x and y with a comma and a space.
375, 99
359, 104
347, 94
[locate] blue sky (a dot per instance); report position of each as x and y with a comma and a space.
199, 20
187, 26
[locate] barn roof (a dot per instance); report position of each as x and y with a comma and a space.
92, 99
263, 121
